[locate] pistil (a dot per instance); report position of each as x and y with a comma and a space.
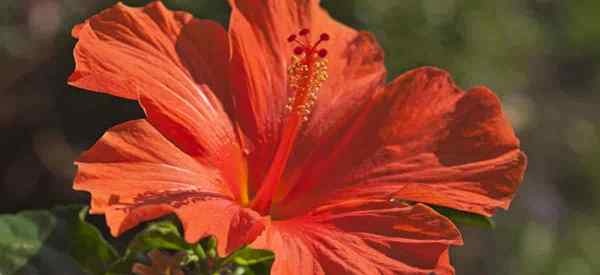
306, 72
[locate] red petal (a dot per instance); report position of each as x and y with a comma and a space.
293, 250
153, 55
425, 141
366, 237
135, 174
123, 46
232, 225
414, 235
261, 52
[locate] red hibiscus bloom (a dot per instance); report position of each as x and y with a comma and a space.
244, 138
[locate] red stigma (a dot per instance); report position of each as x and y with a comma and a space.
304, 48
322, 53
304, 32
298, 50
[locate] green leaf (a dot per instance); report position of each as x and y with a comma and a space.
22, 237
209, 245
248, 261
247, 256
159, 235
59, 241
466, 218
239, 270
201, 257
164, 235
263, 268
86, 245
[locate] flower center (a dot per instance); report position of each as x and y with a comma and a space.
306, 73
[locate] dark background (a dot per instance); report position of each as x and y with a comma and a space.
541, 56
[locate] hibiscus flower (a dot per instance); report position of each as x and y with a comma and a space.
282, 134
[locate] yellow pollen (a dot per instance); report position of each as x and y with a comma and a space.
306, 73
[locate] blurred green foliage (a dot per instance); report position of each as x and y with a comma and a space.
61, 242
22, 237
56, 241
541, 56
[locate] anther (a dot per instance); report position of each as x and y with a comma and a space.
324, 37
291, 38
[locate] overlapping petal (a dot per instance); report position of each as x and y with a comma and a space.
362, 237
423, 140
135, 174
261, 54
151, 54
